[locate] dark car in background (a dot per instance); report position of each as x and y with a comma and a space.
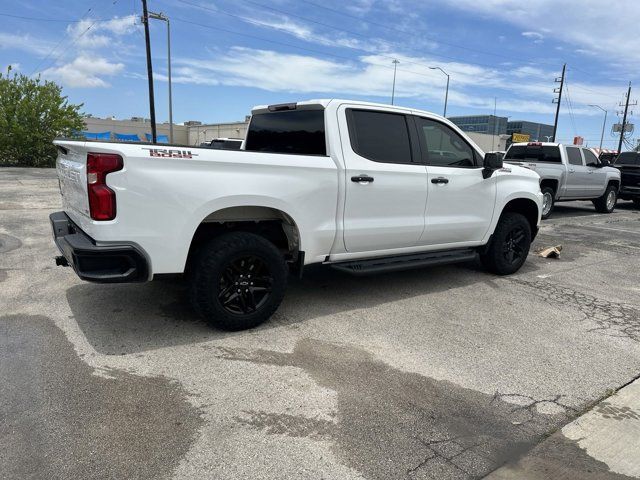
629, 165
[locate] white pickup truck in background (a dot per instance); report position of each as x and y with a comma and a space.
568, 172
338, 182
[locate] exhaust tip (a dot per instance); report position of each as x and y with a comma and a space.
62, 262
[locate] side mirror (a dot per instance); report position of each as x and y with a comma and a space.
492, 162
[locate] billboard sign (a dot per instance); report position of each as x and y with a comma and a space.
520, 137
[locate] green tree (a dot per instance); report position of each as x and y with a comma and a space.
32, 114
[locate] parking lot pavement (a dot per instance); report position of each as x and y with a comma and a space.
440, 373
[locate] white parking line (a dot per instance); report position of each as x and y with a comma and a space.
636, 232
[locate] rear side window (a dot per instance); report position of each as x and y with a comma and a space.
574, 156
298, 132
534, 153
379, 136
628, 158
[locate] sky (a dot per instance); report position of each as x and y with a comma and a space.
229, 55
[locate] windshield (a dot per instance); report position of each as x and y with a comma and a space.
534, 153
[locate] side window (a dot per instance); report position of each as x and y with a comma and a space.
590, 158
379, 136
444, 146
573, 153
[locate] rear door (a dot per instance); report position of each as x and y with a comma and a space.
386, 188
577, 174
460, 201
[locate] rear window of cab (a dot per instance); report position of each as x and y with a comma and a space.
298, 132
534, 153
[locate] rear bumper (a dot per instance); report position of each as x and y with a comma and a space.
96, 262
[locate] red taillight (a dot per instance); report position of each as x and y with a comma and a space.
102, 200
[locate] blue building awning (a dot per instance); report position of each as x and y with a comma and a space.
159, 138
97, 135
127, 137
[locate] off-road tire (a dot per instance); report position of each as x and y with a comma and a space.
213, 263
496, 257
548, 191
602, 204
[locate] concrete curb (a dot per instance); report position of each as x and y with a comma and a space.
604, 443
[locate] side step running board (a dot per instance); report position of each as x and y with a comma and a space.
404, 262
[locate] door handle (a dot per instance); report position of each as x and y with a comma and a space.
362, 179
590, 172
572, 170
440, 180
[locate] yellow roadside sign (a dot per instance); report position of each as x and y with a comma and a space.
520, 137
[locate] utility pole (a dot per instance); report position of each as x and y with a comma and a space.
624, 118
393, 89
152, 108
558, 100
164, 18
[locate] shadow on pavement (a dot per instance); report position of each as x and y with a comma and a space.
129, 318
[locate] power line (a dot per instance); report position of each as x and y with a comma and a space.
277, 42
407, 32
368, 52
73, 42
38, 19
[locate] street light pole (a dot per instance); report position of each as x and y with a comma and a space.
393, 89
446, 94
604, 124
147, 41
164, 18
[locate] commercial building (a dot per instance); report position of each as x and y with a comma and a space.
538, 132
487, 124
139, 129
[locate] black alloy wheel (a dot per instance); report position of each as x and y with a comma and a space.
245, 285
515, 245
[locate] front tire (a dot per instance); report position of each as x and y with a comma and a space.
607, 202
509, 246
548, 201
237, 281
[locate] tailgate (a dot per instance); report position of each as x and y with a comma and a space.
630, 175
71, 166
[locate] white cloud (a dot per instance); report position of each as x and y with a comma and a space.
24, 42
369, 75
608, 29
84, 72
536, 36
91, 33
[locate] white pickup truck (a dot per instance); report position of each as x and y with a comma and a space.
568, 172
344, 183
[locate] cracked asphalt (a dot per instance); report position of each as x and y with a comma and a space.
441, 373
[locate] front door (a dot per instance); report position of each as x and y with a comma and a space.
597, 177
460, 201
386, 189
577, 174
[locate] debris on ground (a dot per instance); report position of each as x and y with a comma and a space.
550, 252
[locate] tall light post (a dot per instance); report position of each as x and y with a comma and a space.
604, 124
164, 18
446, 94
393, 89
